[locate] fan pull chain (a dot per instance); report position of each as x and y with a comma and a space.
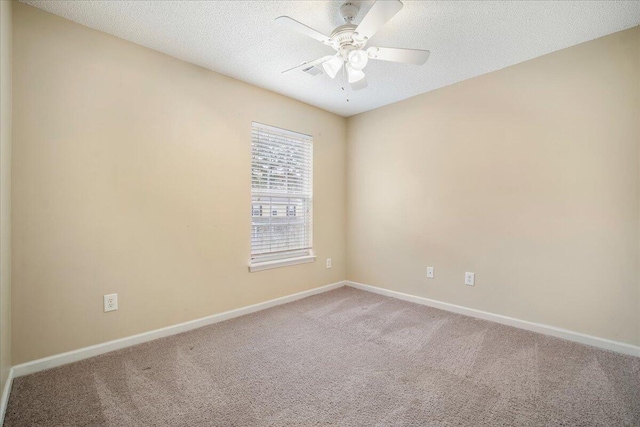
344, 79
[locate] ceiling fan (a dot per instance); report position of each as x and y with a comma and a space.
349, 41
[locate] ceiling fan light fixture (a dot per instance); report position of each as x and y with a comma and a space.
349, 41
354, 75
332, 66
358, 59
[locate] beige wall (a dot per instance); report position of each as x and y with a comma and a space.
638, 169
131, 174
5, 190
527, 176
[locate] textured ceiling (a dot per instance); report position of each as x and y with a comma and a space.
240, 39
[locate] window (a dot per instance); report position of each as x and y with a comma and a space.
281, 197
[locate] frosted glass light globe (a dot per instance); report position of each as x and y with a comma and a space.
354, 75
358, 59
332, 66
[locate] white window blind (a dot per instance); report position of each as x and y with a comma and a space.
281, 194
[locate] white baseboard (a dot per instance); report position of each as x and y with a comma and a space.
95, 350
578, 337
4, 399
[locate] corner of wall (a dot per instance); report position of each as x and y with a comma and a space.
6, 43
638, 148
347, 191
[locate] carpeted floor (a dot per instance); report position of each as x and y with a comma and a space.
347, 358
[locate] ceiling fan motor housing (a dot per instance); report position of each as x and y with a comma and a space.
344, 41
343, 37
348, 12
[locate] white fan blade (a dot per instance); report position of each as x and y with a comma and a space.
360, 84
303, 29
305, 65
407, 56
379, 14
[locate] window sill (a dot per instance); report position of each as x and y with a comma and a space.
280, 263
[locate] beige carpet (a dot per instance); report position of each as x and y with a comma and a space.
347, 358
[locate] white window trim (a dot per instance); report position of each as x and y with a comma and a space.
265, 262
268, 265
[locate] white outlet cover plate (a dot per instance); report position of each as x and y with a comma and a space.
470, 279
328, 262
430, 272
110, 302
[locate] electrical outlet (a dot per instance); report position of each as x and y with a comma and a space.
430, 272
110, 302
470, 279
328, 262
